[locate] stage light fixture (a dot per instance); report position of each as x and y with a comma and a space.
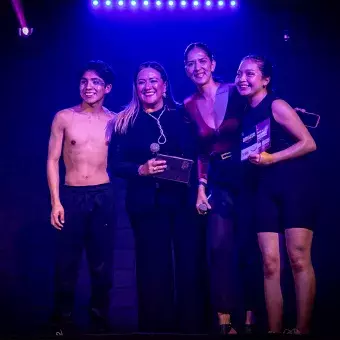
25, 31
286, 35
163, 4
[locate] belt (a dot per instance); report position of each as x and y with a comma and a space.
221, 156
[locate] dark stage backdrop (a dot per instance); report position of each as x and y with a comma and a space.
39, 76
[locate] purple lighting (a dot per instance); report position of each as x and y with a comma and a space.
25, 31
170, 5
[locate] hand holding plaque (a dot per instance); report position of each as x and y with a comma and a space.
152, 167
255, 140
177, 169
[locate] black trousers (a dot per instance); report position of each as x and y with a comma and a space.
231, 240
223, 251
88, 224
170, 259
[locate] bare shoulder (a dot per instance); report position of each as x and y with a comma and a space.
189, 100
63, 116
190, 103
281, 108
283, 113
280, 104
112, 118
109, 115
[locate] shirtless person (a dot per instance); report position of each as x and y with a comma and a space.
83, 211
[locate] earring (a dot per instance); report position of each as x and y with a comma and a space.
164, 95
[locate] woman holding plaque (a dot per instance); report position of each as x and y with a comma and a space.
278, 147
160, 204
216, 110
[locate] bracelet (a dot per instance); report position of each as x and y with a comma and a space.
203, 183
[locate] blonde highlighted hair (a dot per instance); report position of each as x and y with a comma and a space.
128, 115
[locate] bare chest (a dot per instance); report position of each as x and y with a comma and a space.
85, 132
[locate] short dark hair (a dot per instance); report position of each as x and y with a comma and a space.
102, 69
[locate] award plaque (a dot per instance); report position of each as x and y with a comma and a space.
256, 140
178, 169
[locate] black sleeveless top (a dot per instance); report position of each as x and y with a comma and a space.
280, 138
291, 169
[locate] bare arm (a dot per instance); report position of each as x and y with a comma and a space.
286, 116
54, 153
289, 119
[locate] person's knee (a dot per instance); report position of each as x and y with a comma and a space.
299, 256
271, 264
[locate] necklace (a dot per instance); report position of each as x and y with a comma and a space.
162, 138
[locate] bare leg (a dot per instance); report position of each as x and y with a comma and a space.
249, 318
299, 242
270, 249
224, 319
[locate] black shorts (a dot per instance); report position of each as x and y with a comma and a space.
287, 197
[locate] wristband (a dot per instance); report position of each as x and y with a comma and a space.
203, 183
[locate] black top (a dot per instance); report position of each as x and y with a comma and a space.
132, 149
280, 140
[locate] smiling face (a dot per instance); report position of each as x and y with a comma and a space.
199, 67
92, 88
249, 79
150, 88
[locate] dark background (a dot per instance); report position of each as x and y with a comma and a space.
39, 76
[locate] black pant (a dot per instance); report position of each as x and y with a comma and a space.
88, 224
170, 284
231, 251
